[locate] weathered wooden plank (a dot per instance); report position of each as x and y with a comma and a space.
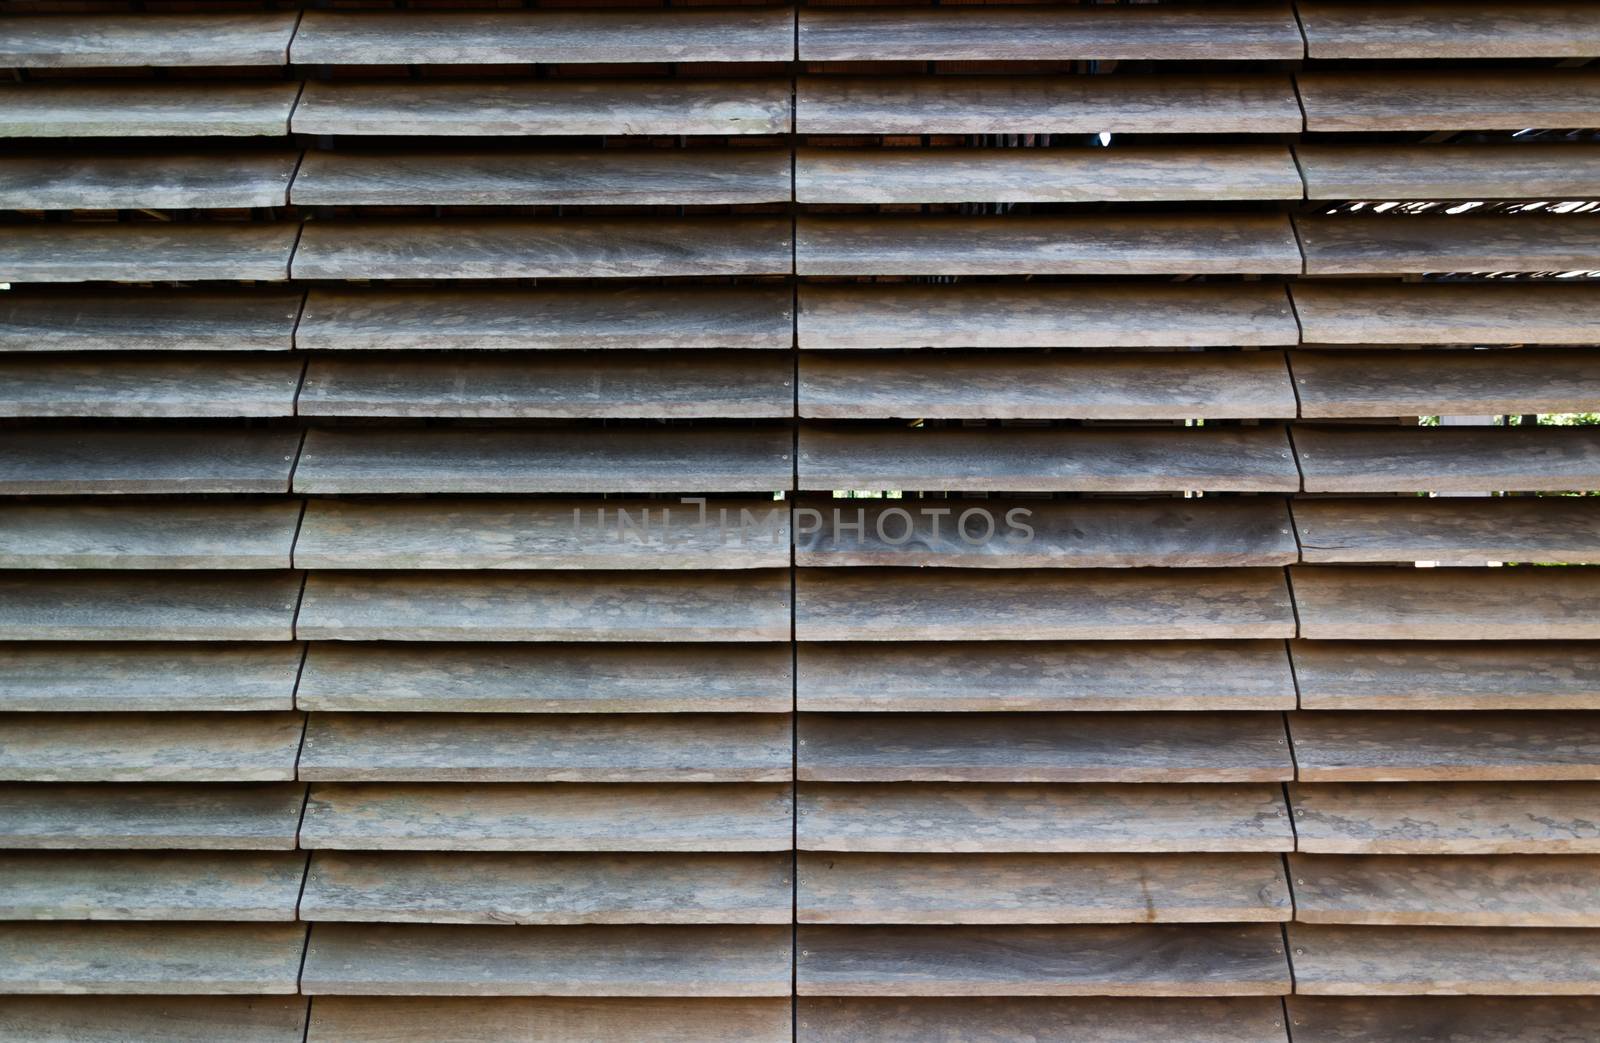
1447, 459
1015, 675
1027, 1019
1047, 819
543, 460
549, 888
1021, 889
134, 606
395, 1019
1474, 675
148, 535
1432, 172
1421, 818
1401, 961
229, 385
1376, 604
453, 960
1386, 383
1445, 747
1045, 315
632, 317
241, 817
1447, 890
1450, 99
544, 606
160, 958
148, 320
184, 885
1072, 244
1444, 1019
143, 109
589, 247
520, 108
1107, 459
44, 676
1378, 245
1076, 747
75, 181
141, 747
1443, 313
550, 817
1469, 29
143, 252
153, 1019
1057, 175
682, 678
1122, 104
1080, 960
68, 41
1544, 528
551, 384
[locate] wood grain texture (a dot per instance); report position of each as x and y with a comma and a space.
1074, 244
636, 177
135, 606
631, 317
1445, 747
1447, 890
549, 888
130, 252
1378, 604
1544, 528
1386, 383
454, 960
1430, 172
181, 181
1121, 104
156, 886
1076, 747
1040, 889
1423, 818
541, 606
135, 109
551, 678
254, 817
163, 958
520, 248
1026, 1019
1045, 315
148, 320
44, 675
1114, 960
141, 747
1404, 961
1447, 459
1471, 29
153, 1019
70, 41
1411, 244
549, 817
1016, 675
1452, 99
1444, 1019
148, 535
1057, 175
164, 385
542, 460
1341, 312
937, 819
1447, 675
394, 1019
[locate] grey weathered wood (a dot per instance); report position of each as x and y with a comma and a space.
397, 1019
1445, 747
1400, 961
165, 385
184, 885
540, 606
1025, 1019
153, 1019
549, 817
1544, 528
1450, 99
1075, 747
75, 181
1386, 383
549, 888
1474, 675
1058, 175
1114, 960
211, 817
160, 958
1075, 244
1378, 245
1431, 818
1444, 1019
43, 675
148, 535
143, 747
1122, 460
1048, 819
1100, 385
1122, 104
1377, 604
522, 107
70, 41
134, 606
147, 320
632, 317
550, 384
1045, 315
1020, 889
548, 460
639, 177
143, 109
684, 678
453, 960
1447, 890
1007, 675
1448, 459
1338, 312
1433, 172
146, 251
1457, 29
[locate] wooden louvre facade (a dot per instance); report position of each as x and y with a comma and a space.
848, 523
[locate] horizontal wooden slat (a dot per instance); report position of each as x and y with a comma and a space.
148, 320
1401, 961
1447, 890
1346, 383
1121, 104
148, 535
1077, 747
141, 252
1450, 99
164, 958
142, 747
213, 817
1448, 459
1445, 747
75, 181
1022, 1019
135, 606
166, 385
550, 678
1545, 528
1444, 313
1058, 175
43, 675
1421, 818
1075, 244
545, 606
183, 885
1117, 960
68, 41
1007, 675
1021, 889
141, 109
1376, 604
1458, 29
1476, 675
1443, 1019
154, 1019
549, 888
1379, 245
415, 1019
1473, 172
549, 817
921, 818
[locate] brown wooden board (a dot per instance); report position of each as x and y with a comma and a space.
245, 817
1404, 961
417, 1019
164, 675
1465, 459
241, 534
159, 958
1447, 675
157, 181
146, 251
1471, 172
166, 885
1027, 1019
232, 384
1457, 29
1455, 529
143, 747
1444, 1019
1447, 890
1339, 312
68, 40
144, 109
1449, 99
148, 320
1444, 747
1446, 604
1385, 383
138, 606
154, 1019
1415, 244
1441, 818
